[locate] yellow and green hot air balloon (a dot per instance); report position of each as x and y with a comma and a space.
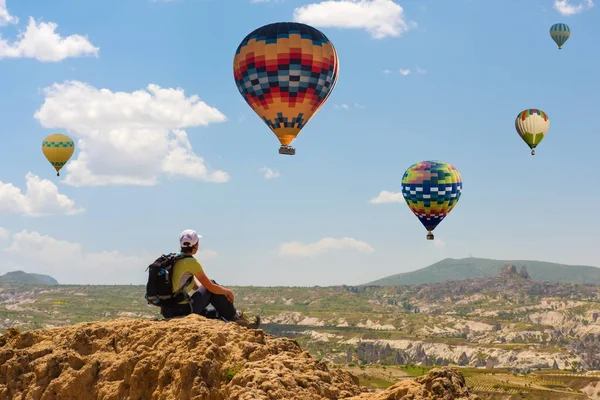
532, 125
285, 71
58, 149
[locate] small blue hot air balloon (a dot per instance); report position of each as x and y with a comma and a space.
560, 33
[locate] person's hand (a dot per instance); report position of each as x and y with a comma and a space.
229, 295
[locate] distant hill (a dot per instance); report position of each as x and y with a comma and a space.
23, 278
457, 269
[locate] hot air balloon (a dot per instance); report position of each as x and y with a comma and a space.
560, 33
532, 125
431, 189
285, 71
58, 149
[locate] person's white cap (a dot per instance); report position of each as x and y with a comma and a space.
188, 238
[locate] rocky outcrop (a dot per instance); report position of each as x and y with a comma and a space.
508, 270
491, 362
524, 274
439, 384
463, 360
185, 358
191, 358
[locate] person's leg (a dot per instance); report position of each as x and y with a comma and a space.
227, 311
179, 310
200, 300
219, 301
223, 306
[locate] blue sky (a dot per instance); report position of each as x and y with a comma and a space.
152, 163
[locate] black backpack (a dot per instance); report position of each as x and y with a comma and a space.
159, 289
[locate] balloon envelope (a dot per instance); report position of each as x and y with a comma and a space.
58, 149
560, 33
285, 71
431, 189
532, 125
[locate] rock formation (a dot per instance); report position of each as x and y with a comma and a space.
508, 269
185, 358
491, 362
439, 384
463, 360
524, 274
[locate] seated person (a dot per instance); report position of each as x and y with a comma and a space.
210, 292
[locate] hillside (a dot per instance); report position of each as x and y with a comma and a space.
547, 333
451, 269
186, 358
499, 317
24, 278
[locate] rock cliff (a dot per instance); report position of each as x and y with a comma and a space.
186, 358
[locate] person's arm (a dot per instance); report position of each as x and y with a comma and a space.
213, 287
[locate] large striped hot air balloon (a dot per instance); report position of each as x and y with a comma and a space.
532, 125
560, 33
58, 149
431, 189
285, 71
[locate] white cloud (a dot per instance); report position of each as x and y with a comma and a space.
69, 262
5, 17
387, 197
406, 71
41, 198
439, 244
347, 107
4, 233
40, 41
564, 7
314, 249
129, 138
269, 173
381, 18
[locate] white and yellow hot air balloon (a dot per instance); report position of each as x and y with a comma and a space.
532, 125
58, 149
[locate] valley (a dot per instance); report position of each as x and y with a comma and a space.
512, 336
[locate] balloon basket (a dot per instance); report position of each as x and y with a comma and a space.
290, 151
430, 236
533, 152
